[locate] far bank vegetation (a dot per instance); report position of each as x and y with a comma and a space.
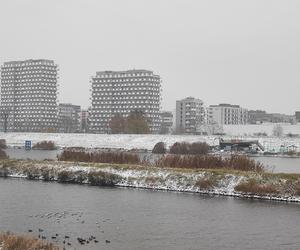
44, 145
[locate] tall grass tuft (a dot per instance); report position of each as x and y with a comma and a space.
10, 241
99, 157
235, 162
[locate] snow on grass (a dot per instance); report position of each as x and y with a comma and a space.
182, 180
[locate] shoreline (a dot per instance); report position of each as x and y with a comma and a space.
221, 182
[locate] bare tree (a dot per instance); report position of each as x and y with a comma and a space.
277, 130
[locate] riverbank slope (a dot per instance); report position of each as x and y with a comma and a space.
247, 184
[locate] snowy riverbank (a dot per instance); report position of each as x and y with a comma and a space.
130, 141
216, 182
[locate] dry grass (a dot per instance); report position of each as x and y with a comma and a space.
44, 145
235, 162
254, 187
99, 157
15, 242
189, 148
205, 183
3, 154
3, 144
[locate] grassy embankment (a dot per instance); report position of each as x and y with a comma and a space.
195, 173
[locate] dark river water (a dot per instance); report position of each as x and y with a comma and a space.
141, 219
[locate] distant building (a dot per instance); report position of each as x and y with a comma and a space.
84, 121
224, 114
190, 115
121, 92
29, 95
282, 118
68, 118
297, 115
166, 122
258, 116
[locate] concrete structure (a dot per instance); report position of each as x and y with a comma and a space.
190, 115
120, 92
166, 122
297, 115
29, 95
224, 114
68, 118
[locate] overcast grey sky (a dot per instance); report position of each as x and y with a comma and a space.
239, 52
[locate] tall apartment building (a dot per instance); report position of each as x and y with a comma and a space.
69, 118
224, 114
190, 115
120, 92
29, 95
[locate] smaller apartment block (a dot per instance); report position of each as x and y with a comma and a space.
190, 115
225, 114
69, 118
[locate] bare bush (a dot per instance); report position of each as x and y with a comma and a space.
235, 162
189, 148
99, 157
100, 178
45, 145
159, 148
3, 144
3, 154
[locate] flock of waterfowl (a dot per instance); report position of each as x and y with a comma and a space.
64, 239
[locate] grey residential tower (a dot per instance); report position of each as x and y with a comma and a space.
120, 92
29, 95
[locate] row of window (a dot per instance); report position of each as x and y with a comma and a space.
29, 63
99, 80
108, 75
123, 89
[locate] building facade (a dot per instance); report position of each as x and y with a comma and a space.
190, 115
166, 122
84, 121
29, 95
297, 116
227, 114
121, 92
68, 118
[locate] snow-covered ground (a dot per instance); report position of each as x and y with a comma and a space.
101, 140
148, 141
250, 129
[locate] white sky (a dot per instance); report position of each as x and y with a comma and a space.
238, 52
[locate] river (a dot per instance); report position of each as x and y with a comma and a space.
143, 219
